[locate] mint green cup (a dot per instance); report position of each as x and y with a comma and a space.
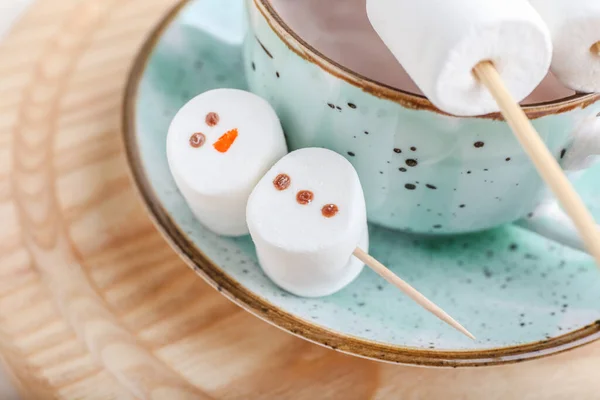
422, 170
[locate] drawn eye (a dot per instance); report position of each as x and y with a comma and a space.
212, 119
305, 197
282, 182
329, 210
197, 140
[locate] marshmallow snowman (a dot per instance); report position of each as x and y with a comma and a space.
306, 217
219, 145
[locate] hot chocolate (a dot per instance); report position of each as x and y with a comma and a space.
341, 31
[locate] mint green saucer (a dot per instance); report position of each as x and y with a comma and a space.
522, 295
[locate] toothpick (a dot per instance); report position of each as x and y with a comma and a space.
409, 291
546, 164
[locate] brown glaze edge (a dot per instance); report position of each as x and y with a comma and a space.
406, 99
263, 309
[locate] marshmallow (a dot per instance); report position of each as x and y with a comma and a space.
219, 145
575, 28
306, 217
439, 42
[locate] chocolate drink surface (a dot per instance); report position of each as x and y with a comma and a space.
341, 31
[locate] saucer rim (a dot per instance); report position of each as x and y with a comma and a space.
263, 309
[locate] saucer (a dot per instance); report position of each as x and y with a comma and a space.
522, 295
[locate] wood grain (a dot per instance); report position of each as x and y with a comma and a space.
94, 304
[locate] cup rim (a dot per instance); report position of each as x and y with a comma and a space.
404, 98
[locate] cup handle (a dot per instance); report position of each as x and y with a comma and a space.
551, 222
585, 146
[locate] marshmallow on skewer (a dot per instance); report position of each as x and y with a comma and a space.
306, 217
219, 145
439, 42
308, 220
575, 29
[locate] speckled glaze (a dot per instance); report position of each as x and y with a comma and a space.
523, 296
422, 171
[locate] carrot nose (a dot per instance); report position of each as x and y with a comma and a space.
225, 141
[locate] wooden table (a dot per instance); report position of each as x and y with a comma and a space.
95, 305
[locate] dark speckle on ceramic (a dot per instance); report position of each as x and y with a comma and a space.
412, 162
397, 150
487, 272
507, 269
264, 48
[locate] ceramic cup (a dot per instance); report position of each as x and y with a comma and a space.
422, 170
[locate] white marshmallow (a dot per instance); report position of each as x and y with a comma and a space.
301, 250
217, 184
439, 42
575, 28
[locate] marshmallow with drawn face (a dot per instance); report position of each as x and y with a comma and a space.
306, 217
219, 145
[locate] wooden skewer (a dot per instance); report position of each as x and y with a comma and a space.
546, 164
409, 291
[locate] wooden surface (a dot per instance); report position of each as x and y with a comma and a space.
95, 305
